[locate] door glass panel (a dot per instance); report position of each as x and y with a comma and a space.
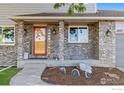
40, 41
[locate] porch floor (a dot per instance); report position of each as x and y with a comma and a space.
50, 63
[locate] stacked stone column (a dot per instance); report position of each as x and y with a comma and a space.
61, 40
20, 41
107, 43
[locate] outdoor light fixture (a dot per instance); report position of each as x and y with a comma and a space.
53, 31
108, 32
25, 31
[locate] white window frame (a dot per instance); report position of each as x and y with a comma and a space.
78, 40
14, 35
121, 27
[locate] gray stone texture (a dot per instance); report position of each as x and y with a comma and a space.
61, 40
8, 53
95, 40
20, 40
28, 38
78, 51
70, 51
99, 46
107, 43
54, 42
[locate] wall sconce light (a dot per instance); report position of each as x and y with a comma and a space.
53, 31
108, 33
25, 32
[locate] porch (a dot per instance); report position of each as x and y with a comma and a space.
98, 51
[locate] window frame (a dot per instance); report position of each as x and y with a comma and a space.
13, 44
78, 28
119, 26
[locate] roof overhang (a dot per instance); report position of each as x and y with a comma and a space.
64, 18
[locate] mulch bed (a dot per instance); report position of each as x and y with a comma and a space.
100, 76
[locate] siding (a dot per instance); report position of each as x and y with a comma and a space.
120, 50
120, 45
120, 25
7, 10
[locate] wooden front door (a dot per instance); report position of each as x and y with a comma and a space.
40, 41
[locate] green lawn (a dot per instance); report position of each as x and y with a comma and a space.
6, 75
1, 68
0, 38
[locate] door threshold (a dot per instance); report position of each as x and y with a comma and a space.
38, 58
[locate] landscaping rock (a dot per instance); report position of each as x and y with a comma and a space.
87, 69
75, 73
63, 69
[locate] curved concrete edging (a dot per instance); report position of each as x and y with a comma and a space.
5, 68
30, 75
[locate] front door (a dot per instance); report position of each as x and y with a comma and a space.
40, 41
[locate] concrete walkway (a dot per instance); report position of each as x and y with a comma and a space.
29, 75
121, 68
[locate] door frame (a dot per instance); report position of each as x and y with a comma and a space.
33, 47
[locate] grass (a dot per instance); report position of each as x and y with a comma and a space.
1, 68
6, 75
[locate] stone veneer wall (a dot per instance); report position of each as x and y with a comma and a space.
8, 54
95, 40
99, 46
98, 43
71, 51
82, 50
54, 41
28, 38
107, 44
52, 45
75, 51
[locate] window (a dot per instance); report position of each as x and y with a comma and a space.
120, 31
119, 27
78, 34
7, 35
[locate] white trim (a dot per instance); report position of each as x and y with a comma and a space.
7, 25
67, 17
14, 35
119, 24
95, 7
77, 27
7, 44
